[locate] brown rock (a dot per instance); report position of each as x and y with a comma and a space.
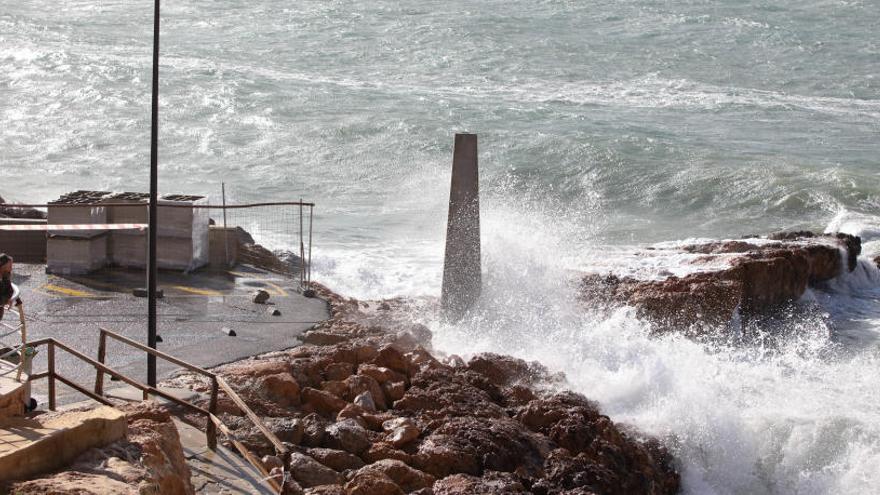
470, 445
358, 384
380, 373
504, 371
339, 389
761, 279
390, 357
322, 402
347, 435
394, 390
339, 371
400, 437
441, 393
314, 427
381, 450
365, 401
492, 483
309, 472
338, 460
271, 462
371, 483
407, 478
401, 431
325, 490
281, 388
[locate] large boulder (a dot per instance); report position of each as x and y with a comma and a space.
755, 276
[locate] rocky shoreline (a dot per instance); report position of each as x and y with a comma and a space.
749, 278
368, 409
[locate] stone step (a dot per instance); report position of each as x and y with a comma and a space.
33, 446
12, 396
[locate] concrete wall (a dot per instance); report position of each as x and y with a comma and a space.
23, 246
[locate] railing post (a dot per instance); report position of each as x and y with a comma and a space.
212, 408
51, 359
102, 354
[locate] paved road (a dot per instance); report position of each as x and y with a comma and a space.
191, 316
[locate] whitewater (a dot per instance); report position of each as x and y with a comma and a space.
604, 127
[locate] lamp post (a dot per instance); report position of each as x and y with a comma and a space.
152, 271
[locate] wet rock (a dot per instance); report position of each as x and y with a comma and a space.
442, 393
349, 436
505, 370
470, 446
261, 297
492, 483
309, 472
760, 279
338, 460
596, 454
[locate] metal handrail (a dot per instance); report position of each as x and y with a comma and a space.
20, 349
214, 423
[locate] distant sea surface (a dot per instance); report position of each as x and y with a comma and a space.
602, 125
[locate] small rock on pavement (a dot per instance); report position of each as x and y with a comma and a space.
228, 331
142, 292
274, 312
261, 296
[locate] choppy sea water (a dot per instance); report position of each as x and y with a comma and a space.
603, 125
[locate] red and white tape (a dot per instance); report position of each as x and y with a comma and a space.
87, 226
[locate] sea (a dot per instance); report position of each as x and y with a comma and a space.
603, 127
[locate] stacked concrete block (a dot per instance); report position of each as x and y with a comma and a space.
182, 236
73, 252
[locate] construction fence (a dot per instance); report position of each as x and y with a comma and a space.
86, 231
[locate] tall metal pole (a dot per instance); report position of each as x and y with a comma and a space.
153, 271
225, 230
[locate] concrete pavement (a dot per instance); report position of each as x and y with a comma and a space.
191, 316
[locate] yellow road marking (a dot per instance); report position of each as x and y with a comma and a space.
201, 292
97, 283
279, 291
66, 291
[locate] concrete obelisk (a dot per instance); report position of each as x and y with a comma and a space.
461, 269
